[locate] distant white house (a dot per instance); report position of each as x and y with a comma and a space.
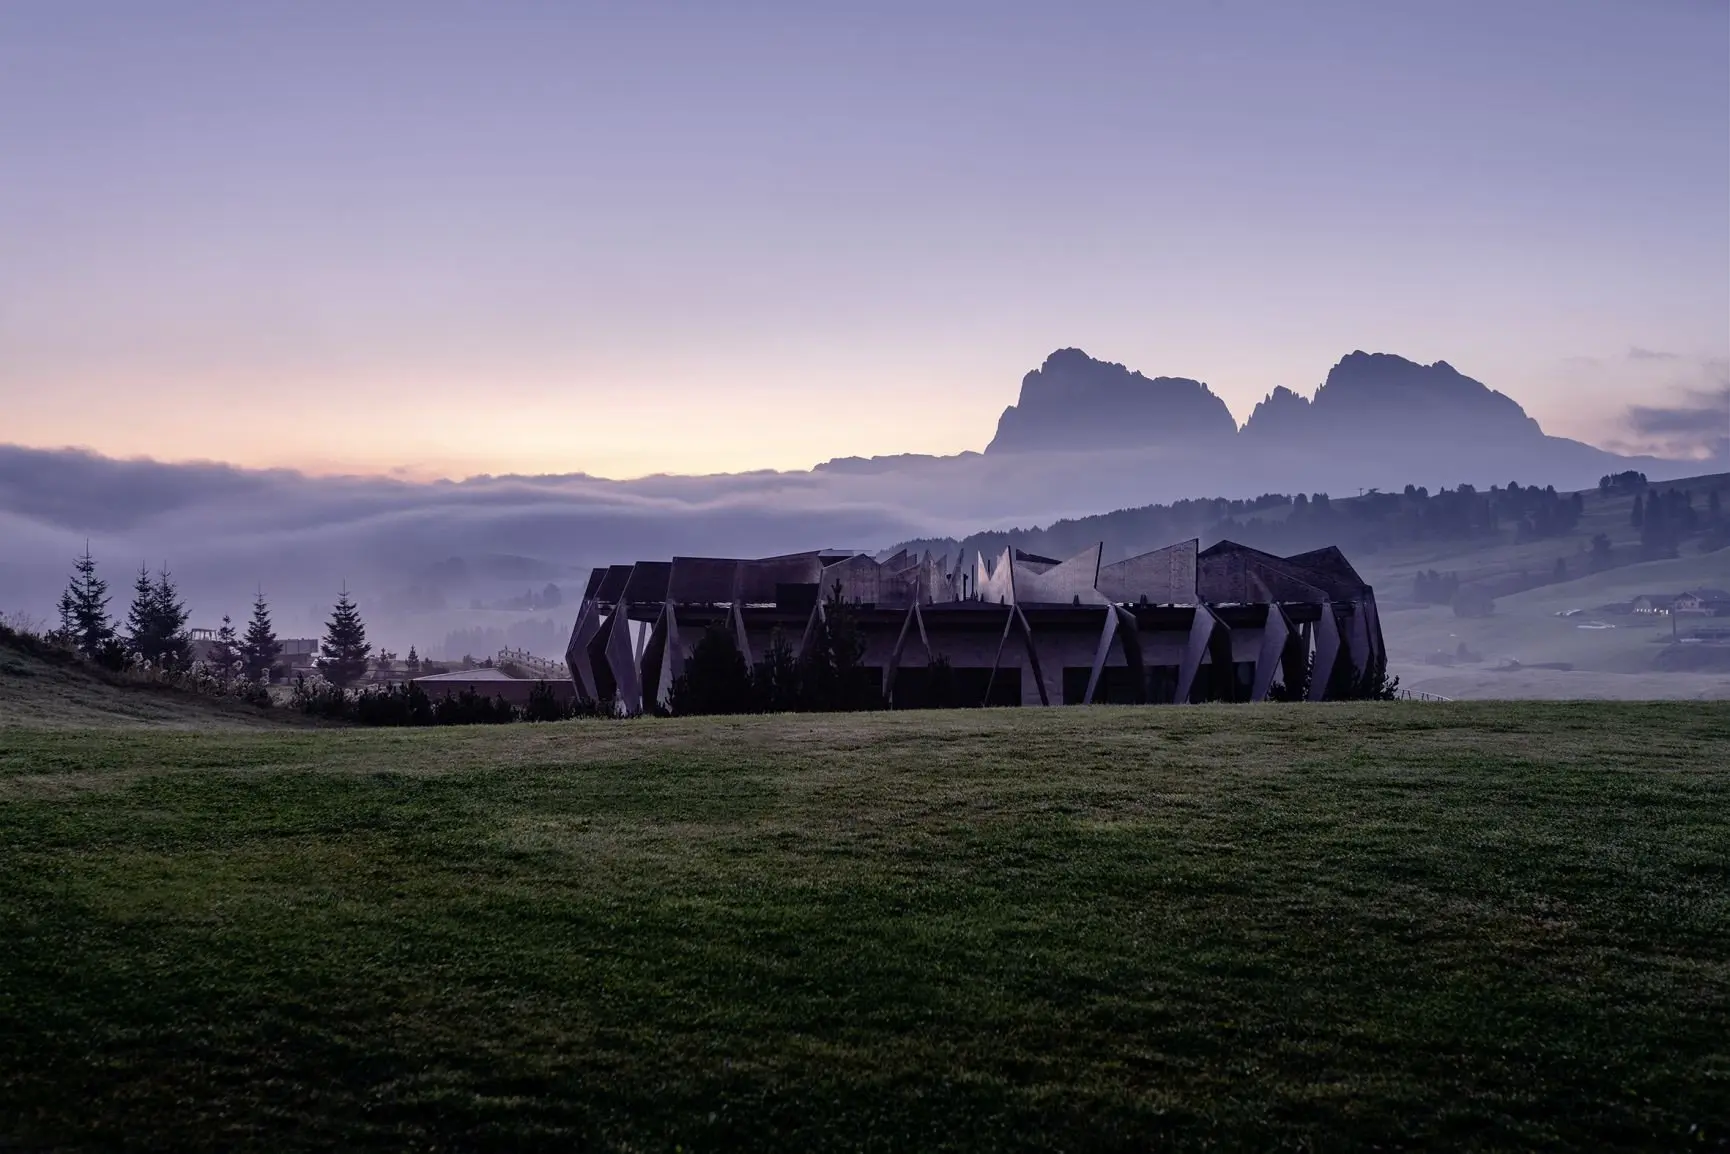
1705, 602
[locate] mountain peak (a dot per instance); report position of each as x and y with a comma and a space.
1073, 401
1391, 398
1384, 386
1280, 412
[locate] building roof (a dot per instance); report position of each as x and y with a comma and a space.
484, 673
702, 580
614, 582
1230, 573
648, 581
1342, 580
758, 579
1226, 573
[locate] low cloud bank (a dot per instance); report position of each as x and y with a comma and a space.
226, 531
1696, 425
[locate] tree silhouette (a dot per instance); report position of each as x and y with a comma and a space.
343, 654
260, 649
716, 679
84, 617
156, 622
224, 660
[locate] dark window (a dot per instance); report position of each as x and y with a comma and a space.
1116, 686
798, 597
1161, 684
866, 683
971, 682
1075, 683
915, 689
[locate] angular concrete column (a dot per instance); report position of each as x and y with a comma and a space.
894, 662
1327, 653
672, 653
1358, 640
736, 617
654, 668
809, 637
1373, 621
1032, 656
675, 661
1296, 657
588, 624
1100, 654
997, 660
1274, 636
621, 660
1129, 636
1201, 629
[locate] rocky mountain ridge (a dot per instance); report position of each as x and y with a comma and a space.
1074, 401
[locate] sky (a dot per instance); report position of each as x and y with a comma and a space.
440, 238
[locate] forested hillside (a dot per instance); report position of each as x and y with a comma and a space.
1622, 521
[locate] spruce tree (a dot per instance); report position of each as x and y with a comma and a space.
830, 675
260, 648
173, 647
84, 611
224, 660
343, 654
716, 678
141, 617
776, 678
156, 622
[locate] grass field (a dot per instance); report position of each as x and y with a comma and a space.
1323, 927
40, 688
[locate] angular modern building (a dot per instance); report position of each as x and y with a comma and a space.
1179, 624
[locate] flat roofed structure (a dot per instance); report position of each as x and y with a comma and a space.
1178, 624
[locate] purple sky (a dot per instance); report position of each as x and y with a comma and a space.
621, 238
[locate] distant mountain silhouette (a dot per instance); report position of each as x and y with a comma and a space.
1084, 436
1075, 402
1376, 417
1386, 395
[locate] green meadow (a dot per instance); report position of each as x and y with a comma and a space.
1393, 926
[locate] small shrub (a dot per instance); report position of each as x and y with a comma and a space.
544, 704
470, 708
319, 699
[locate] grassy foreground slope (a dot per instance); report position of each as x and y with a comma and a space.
1462, 926
40, 687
